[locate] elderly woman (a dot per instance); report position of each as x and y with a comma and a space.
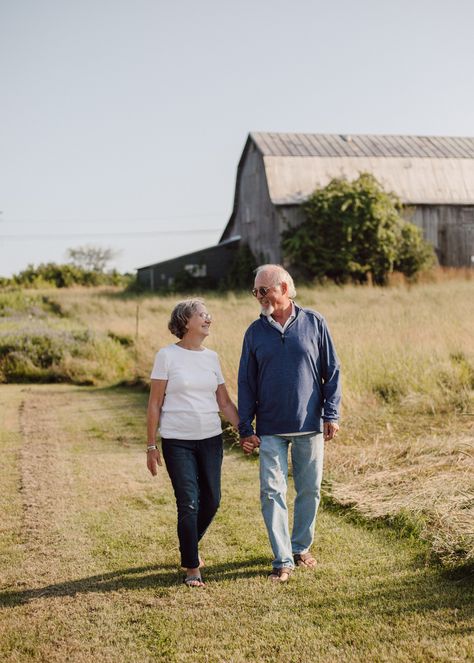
187, 393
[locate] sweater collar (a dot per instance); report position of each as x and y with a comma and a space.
296, 310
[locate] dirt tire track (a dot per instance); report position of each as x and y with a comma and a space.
46, 483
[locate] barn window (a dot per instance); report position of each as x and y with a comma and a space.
196, 270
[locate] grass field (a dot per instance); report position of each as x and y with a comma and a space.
405, 452
89, 558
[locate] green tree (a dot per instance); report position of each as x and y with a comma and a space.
240, 276
351, 230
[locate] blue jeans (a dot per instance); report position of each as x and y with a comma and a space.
307, 453
194, 467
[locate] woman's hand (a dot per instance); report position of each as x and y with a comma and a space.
153, 459
249, 444
155, 402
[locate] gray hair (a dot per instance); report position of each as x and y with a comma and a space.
181, 314
278, 274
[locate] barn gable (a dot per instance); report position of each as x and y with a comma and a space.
432, 175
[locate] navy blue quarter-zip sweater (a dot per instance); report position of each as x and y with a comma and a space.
290, 381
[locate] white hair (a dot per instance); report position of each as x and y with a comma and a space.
278, 274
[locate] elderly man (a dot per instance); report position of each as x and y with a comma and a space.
289, 380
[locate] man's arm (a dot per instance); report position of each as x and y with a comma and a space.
247, 382
331, 376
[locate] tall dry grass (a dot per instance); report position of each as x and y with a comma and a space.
407, 354
407, 345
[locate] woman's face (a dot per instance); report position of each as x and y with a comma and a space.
200, 322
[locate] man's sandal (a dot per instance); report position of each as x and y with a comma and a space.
193, 581
281, 575
305, 560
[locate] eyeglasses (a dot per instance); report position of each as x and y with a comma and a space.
205, 316
262, 291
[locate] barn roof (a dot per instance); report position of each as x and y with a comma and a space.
419, 169
334, 145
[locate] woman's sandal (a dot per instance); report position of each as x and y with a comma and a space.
193, 581
281, 575
305, 560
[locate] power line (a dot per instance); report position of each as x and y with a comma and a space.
140, 233
117, 219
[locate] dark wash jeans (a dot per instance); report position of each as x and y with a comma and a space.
194, 467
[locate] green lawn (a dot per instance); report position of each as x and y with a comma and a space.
90, 564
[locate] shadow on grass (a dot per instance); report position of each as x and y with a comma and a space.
151, 576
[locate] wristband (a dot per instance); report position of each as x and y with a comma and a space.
151, 447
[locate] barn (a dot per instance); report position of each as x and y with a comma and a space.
432, 175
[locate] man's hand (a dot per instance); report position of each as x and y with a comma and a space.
249, 443
330, 429
153, 459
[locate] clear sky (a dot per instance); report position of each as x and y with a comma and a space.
122, 121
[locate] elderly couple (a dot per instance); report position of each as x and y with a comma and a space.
288, 380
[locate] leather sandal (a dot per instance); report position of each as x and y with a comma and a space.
190, 580
305, 560
281, 575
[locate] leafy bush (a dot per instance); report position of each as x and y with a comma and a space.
14, 301
413, 253
353, 229
47, 355
63, 276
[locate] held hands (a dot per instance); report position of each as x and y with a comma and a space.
249, 444
330, 429
153, 459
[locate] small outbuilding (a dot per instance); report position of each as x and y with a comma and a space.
208, 266
432, 175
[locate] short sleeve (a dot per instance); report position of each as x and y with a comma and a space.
160, 367
220, 377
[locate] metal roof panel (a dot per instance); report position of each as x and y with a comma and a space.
332, 145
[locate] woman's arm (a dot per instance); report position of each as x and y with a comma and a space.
155, 403
226, 406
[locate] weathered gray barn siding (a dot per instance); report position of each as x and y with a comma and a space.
433, 176
450, 229
210, 264
254, 219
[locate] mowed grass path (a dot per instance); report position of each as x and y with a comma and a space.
89, 562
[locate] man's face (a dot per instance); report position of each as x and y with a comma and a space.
274, 295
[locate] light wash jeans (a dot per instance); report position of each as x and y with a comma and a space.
307, 453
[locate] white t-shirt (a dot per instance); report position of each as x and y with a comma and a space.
190, 409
